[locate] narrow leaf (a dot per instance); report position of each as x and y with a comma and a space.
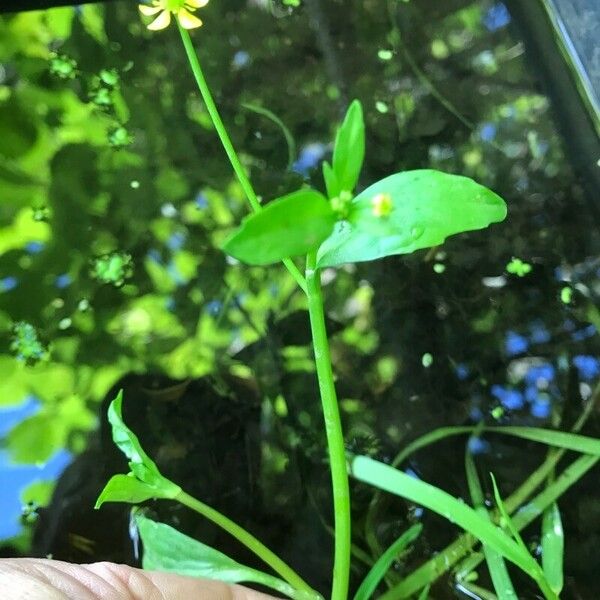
553, 542
331, 182
496, 565
384, 562
396, 482
431, 570
424, 593
286, 227
349, 148
550, 437
409, 211
124, 438
166, 549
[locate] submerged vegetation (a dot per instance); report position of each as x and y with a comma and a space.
132, 269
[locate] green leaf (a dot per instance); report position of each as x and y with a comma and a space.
349, 148
384, 562
553, 543
396, 482
550, 437
124, 438
126, 488
145, 480
496, 565
166, 549
409, 211
331, 181
286, 227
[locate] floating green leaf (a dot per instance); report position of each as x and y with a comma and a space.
349, 148
166, 549
145, 480
286, 227
409, 211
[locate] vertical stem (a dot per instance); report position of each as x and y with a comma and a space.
335, 435
226, 141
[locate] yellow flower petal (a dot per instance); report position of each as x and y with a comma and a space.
161, 21
196, 3
188, 20
148, 11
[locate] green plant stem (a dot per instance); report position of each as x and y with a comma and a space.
333, 429
246, 538
226, 141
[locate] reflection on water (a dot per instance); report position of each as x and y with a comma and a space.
16, 479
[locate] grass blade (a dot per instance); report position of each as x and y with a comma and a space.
396, 482
496, 565
384, 562
553, 542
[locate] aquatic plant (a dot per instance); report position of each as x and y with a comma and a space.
399, 214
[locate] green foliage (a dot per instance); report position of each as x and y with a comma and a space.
409, 211
145, 480
503, 585
35, 439
288, 226
26, 343
396, 482
166, 549
385, 561
553, 545
349, 149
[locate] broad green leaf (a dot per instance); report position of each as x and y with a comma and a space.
286, 227
553, 543
331, 181
384, 562
145, 480
396, 482
409, 211
496, 565
349, 148
166, 549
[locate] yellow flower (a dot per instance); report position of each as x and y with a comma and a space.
182, 9
381, 205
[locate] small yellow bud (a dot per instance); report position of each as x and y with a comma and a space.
382, 205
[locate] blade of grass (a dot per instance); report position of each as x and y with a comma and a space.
442, 562
553, 542
564, 440
474, 591
384, 562
396, 482
496, 565
550, 437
